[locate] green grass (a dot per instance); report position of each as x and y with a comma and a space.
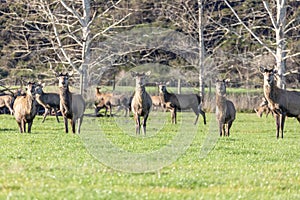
250, 164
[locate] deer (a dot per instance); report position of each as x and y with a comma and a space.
25, 108
283, 103
225, 110
48, 100
156, 102
181, 102
263, 108
141, 101
6, 100
109, 100
72, 106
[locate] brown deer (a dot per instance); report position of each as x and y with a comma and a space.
156, 102
48, 100
179, 102
225, 110
109, 100
6, 100
25, 108
72, 106
141, 102
263, 108
283, 103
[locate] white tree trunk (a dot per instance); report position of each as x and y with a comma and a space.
201, 48
280, 42
86, 50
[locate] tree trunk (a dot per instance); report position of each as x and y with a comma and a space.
86, 50
280, 42
179, 86
201, 48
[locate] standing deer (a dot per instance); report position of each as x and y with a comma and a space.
72, 106
141, 102
225, 110
281, 102
25, 108
48, 101
180, 102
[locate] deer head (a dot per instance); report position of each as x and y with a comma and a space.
269, 75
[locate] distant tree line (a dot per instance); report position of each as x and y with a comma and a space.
39, 36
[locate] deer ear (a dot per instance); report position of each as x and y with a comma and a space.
275, 71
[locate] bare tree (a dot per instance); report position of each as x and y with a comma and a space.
281, 28
68, 29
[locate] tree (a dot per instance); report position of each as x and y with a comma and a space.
66, 30
281, 28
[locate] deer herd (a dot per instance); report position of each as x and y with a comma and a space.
279, 102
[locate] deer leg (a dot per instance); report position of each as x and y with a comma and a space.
175, 115
220, 128
73, 123
203, 115
277, 119
105, 110
10, 109
96, 110
199, 111
79, 124
56, 114
23, 126
66, 124
45, 114
197, 116
144, 123
137, 124
29, 126
282, 120
20, 124
228, 127
110, 110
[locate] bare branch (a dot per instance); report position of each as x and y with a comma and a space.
248, 29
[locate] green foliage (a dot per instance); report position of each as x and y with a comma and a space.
250, 164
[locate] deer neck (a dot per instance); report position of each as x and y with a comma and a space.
221, 100
140, 89
270, 92
31, 103
65, 95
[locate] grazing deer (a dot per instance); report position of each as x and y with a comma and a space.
225, 110
109, 100
263, 108
281, 102
141, 102
182, 102
72, 106
25, 108
6, 100
48, 101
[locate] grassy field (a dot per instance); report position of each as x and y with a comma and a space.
250, 164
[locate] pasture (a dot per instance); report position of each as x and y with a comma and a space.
250, 164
